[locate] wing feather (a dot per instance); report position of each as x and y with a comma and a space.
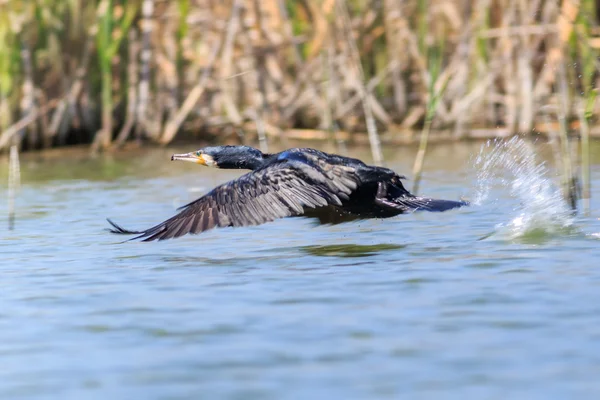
278, 190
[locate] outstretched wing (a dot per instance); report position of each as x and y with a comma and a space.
279, 190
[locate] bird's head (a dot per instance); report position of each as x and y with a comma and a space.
226, 157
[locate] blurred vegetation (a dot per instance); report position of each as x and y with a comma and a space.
104, 72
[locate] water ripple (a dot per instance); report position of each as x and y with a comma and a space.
413, 306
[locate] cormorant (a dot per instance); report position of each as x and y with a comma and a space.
294, 182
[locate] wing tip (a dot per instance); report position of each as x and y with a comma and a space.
120, 230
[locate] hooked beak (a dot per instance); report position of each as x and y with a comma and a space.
202, 159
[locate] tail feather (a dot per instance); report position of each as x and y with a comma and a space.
427, 204
398, 194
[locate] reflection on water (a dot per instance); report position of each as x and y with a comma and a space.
351, 250
420, 309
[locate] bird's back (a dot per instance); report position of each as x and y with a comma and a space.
334, 159
316, 159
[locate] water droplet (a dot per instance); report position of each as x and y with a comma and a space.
539, 206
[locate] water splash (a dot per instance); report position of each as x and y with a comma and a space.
511, 178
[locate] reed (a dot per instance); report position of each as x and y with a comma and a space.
14, 183
113, 67
588, 56
436, 87
111, 30
569, 177
359, 77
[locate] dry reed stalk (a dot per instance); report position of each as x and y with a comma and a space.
291, 102
436, 88
167, 61
261, 43
44, 123
226, 66
14, 183
28, 100
351, 103
253, 41
458, 85
245, 65
523, 30
365, 99
320, 26
566, 16
420, 158
588, 56
525, 66
192, 98
8, 134
510, 84
326, 115
394, 30
146, 27
289, 32
568, 175
67, 106
334, 95
132, 80
585, 160
553, 138
261, 108
525, 76
5, 114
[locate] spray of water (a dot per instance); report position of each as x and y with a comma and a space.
511, 178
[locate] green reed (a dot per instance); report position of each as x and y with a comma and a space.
588, 57
111, 31
435, 91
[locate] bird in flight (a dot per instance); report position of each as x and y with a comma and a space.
295, 182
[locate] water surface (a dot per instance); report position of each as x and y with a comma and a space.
497, 300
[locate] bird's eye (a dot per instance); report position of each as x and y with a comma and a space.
198, 153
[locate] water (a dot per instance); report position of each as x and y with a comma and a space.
535, 194
492, 301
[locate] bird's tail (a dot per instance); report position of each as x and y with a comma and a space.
427, 204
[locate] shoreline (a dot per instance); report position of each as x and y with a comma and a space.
298, 136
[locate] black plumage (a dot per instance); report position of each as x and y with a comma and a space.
296, 182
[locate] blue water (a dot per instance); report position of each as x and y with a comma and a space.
499, 300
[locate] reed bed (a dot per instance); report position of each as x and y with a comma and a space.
108, 71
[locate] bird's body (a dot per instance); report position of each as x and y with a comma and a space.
295, 182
